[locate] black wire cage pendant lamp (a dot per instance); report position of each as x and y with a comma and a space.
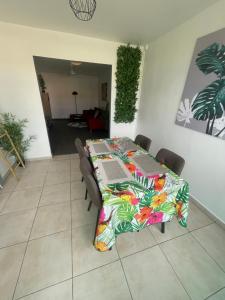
83, 9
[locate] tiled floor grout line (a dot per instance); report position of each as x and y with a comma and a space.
71, 232
175, 273
208, 297
45, 288
28, 242
157, 243
207, 252
78, 275
121, 263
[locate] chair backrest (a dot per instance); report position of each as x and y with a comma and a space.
172, 160
85, 166
93, 190
80, 148
143, 141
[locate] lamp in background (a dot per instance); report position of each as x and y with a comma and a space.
83, 9
75, 93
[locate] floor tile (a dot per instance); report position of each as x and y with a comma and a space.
218, 296
75, 164
27, 181
199, 274
74, 156
77, 190
172, 229
10, 263
9, 185
61, 291
3, 199
212, 238
81, 216
35, 167
15, 227
107, 282
56, 193
21, 200
196, 218
47, 262
57, 177
51, 219
61, 157
85, 256
131, 242
76, 175
59, 166
150, 276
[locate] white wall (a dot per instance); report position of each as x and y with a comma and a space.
60, 88
18, 84
166, 66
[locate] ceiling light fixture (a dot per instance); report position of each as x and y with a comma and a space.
83, 9
76, 63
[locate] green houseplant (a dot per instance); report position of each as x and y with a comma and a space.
15, 129
127, 82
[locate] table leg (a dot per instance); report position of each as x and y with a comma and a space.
163, 227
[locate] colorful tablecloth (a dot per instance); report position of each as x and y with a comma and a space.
135, 204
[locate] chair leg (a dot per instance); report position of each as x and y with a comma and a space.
96, 226
163, 227
86, 192
89, 206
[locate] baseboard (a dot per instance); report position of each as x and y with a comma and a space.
38, 158
207, 211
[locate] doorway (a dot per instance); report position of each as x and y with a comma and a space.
76, 100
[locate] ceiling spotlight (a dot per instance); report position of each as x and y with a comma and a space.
83, 9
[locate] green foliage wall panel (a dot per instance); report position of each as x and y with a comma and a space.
127, 82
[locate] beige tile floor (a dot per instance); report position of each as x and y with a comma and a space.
46, 250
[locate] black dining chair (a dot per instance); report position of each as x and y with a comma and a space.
143, 141
174, 162
86, 169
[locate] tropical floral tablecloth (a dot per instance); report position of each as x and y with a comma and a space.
135, 204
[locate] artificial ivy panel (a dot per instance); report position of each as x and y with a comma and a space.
127, 82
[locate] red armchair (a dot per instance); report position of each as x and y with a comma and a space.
94, 119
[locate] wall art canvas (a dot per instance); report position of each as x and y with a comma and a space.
202, 106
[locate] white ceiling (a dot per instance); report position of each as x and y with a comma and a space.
62, 66
134, 21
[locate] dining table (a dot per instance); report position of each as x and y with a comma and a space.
137, 191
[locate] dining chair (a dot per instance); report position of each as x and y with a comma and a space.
95, 196
143, 141
86, 169
80, 149
172, 160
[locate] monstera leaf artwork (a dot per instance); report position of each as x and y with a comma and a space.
212, 60
205, 85
210, 103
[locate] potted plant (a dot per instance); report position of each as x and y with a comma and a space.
15, 129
